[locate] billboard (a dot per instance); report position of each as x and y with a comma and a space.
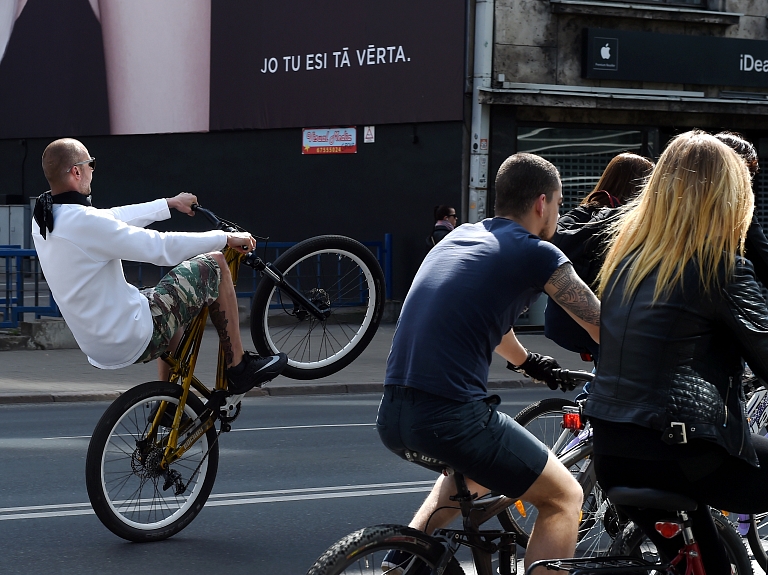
92, 67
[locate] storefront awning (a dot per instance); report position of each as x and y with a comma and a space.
588, 97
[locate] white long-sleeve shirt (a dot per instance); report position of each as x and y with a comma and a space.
81, 259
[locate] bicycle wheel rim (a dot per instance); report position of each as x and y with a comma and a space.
125, 485
307, 350
758, 539
364, 552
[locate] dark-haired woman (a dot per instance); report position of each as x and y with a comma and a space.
580, 236
756, 244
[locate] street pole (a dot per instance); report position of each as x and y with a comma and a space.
481, 78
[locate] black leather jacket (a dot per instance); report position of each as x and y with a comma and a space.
680, 360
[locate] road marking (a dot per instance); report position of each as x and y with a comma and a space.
228, 499
233, 430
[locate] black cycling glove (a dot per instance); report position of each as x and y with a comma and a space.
540, 367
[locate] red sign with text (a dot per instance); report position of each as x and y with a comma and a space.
329, 140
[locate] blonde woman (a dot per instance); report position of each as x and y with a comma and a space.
680, 309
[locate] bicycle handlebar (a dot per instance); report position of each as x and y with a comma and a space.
207, 213
573, 376
223, 225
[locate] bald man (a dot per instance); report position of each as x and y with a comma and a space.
81, 249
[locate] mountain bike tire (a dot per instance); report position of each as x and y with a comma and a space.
124, 486
333, 272
600, 522
363, 551
633, 542
758, 539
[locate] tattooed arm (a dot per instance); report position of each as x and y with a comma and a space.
574, 296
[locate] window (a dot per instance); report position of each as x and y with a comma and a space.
580, 155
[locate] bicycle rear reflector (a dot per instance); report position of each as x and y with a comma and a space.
668, 529
572, 421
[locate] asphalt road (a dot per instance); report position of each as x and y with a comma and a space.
297, 474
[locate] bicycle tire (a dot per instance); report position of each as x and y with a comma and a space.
757, 536
599, 518
127, 496
364, 550
633, 542
330, 270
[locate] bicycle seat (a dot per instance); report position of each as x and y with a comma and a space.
426, 461
651, 499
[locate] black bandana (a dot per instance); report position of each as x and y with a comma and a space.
44, 207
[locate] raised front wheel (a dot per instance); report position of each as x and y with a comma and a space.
339, 276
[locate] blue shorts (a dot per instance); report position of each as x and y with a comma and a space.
473, 438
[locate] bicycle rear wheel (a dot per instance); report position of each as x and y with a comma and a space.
333, 272
600, 521
758, 539
634, 543
363, 552
125, 484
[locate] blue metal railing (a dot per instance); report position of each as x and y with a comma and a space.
21, 276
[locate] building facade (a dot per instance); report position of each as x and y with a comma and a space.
578, 81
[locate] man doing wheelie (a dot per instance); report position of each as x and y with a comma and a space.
81, 249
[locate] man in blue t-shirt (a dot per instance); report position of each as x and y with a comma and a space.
467, 293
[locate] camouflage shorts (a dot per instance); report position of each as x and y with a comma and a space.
178, 298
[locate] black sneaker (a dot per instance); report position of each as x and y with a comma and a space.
254, 371
397, 562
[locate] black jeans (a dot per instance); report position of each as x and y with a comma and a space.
732, 484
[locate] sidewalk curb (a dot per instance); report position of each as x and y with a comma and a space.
281, 390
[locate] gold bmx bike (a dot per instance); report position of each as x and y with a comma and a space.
153, 456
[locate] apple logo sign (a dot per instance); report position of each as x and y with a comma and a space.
605, 54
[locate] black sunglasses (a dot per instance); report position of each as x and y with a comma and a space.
90, 161
453, 216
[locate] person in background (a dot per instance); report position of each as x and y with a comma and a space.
581, 236
445, 220
756, 244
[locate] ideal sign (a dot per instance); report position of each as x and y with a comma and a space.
674, 58
748, 63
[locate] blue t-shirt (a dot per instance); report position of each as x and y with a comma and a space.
465, 296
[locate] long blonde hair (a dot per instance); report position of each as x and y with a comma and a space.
697, 203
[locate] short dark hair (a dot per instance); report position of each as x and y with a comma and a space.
441, 211
521, 179
743, 148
